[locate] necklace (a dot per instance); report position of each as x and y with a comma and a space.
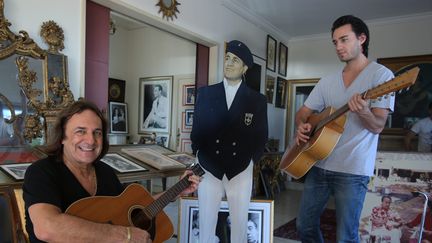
88, 182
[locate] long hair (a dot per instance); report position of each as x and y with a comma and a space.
58, 133
358, 26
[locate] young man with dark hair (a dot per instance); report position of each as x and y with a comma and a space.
344, 174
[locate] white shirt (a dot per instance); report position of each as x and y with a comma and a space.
230, 92
424, 130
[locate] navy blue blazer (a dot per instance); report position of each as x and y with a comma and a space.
226, 140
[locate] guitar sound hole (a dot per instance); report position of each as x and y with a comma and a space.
139, 219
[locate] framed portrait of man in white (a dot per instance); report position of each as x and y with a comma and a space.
155, 104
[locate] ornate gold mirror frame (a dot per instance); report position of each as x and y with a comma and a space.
55, 94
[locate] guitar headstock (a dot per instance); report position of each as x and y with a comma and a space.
404, 80
196, 169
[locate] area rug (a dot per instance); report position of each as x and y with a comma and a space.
328, 227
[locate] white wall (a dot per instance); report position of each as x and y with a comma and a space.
147, 52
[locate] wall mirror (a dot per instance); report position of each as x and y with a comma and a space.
28, 99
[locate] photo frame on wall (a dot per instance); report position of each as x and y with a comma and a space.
118, 117
283, 59
155, 104
162, 140
260, 216
116, 90
270, 88
188, 94
186, 145
271, 53
280, 98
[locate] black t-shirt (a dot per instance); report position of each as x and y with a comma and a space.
50, 181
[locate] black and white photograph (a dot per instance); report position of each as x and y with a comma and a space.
259, 222
17, 171
162, 140
120, 163
188, 94
155, 104
118, 117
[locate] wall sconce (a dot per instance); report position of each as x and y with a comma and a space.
112, 27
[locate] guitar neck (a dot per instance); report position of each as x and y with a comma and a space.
157, 205
339, 112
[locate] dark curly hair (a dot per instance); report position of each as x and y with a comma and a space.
58, 133
358, 26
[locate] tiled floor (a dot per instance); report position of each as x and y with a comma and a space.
286, 205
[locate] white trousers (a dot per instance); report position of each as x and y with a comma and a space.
238, 191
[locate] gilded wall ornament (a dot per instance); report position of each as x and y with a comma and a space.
53, 36
168, 8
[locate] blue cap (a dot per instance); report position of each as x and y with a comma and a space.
239, 49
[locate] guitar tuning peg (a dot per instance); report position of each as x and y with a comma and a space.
386, 96
392, 93
408, 88
379, 98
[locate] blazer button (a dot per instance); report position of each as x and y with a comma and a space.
234, 154
234, 144
217, 140
217, 151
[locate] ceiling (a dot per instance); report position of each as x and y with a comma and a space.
294, 18
298, 18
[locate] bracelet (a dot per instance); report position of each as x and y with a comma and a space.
128, 234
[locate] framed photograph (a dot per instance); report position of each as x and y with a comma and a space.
280, 98
186, 145
120, 163
188, 94
283, 59
19, 154
298, 91
271, 54
152, 158
118, 117
185, 128
184, 158
189, 118
162, 140
155, 104
260, 220
270, 88
116, 90
410, 103
397, 176
17, 171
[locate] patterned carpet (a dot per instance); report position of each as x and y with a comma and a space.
328, 227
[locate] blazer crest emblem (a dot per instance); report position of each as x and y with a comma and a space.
248, 119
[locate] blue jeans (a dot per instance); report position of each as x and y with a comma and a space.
349, 192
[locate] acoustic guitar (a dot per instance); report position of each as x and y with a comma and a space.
328, 126
133, 207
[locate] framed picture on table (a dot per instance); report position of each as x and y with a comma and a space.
120, 163
118, 117
260, 221
16, 171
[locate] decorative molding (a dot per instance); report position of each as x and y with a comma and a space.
255, 19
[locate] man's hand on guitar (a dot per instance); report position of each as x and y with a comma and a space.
194, 179
302, 132
358, 105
